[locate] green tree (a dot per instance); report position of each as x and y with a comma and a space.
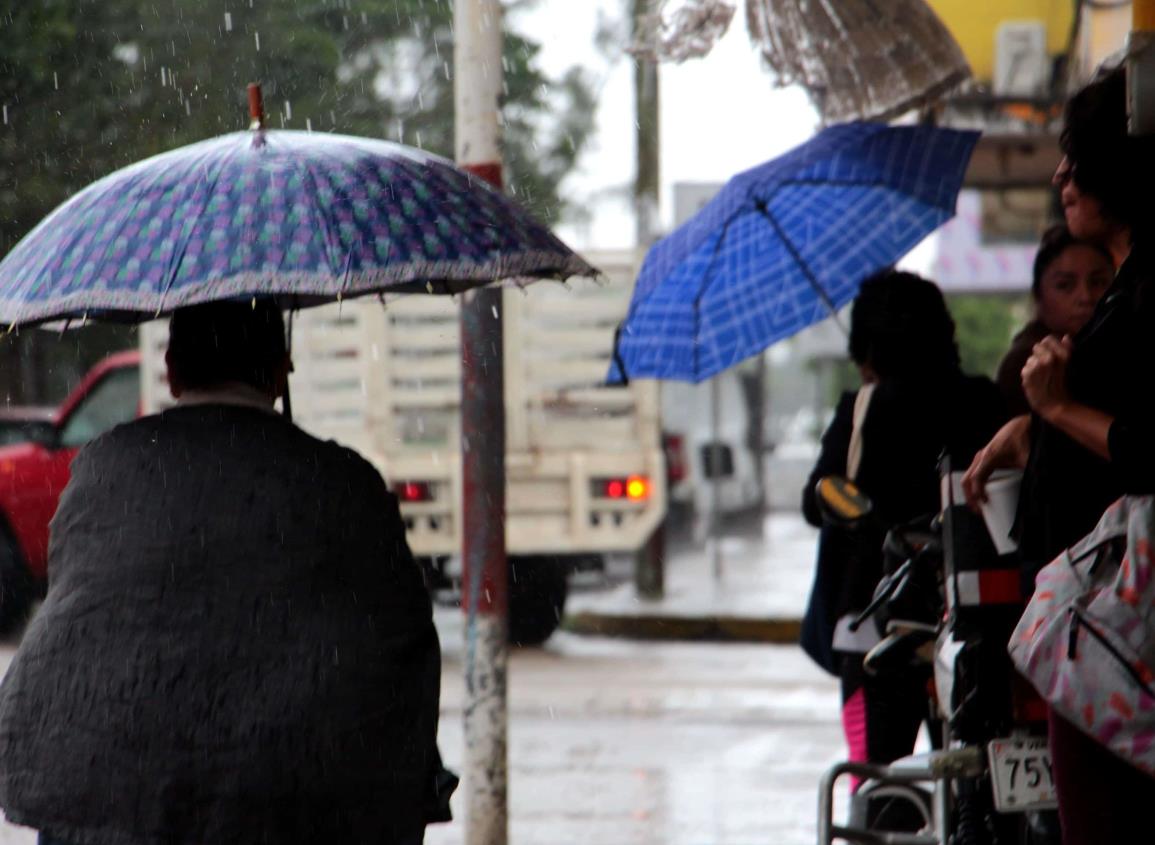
984, 325
87, 86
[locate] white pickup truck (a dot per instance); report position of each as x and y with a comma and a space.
586, 472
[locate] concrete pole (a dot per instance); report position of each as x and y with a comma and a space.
646, 107
477, 93
649, 565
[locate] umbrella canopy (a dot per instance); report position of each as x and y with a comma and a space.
785, 244
859, 59
306, 217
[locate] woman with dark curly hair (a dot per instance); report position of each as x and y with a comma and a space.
1089, 437
887, 437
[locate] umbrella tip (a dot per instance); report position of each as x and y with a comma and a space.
256, 106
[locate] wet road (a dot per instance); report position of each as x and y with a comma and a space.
627, 743
686, 744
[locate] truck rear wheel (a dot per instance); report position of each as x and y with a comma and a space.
17, 589
537, 593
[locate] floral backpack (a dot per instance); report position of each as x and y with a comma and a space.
1087, 638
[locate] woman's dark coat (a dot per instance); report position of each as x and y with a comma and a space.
907, 428
1009, 377
1066, 487
236, 647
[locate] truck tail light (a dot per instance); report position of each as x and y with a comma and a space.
414, 491
635, 488
675, 448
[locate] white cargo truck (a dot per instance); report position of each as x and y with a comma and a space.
586, 472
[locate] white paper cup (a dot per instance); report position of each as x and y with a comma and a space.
1001, 506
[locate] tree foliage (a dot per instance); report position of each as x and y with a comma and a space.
87, 86
984, 325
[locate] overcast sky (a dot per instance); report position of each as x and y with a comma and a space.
719, 116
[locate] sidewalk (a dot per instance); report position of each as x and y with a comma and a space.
759, 597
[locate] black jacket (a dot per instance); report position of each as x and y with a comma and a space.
1066, 487
236, 647
908, 427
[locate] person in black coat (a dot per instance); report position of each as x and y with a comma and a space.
237, 645
1088, 439
915, 405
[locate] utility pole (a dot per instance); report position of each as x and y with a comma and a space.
649, 568
646, 182
477, 88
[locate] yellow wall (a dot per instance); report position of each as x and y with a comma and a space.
973, 24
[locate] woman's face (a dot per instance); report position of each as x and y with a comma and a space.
1071, 286
1084, 213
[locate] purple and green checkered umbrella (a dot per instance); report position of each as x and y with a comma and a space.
306, 217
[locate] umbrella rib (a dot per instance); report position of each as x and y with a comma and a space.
320, 221
702, 292
797, 256
177, 258
880, 184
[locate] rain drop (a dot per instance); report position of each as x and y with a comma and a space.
5, 110
188, 107
55, 81
364, 18
308, 125
256, 37
345, 22
162, 76
493, 308
228, 22
288, 110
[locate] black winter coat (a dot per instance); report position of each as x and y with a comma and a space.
236, 646
1066, 487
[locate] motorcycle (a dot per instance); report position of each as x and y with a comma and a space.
949, 601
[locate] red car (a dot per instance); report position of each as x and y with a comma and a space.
33, 474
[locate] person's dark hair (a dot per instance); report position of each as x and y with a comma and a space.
900, 326
1107, 163
1055, 241
221, 342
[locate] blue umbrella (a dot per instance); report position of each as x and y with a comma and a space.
306, 217
786, 244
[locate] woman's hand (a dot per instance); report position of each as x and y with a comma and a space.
1045, 376
1008, 449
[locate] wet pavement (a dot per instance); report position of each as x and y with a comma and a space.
752, 587
635, 743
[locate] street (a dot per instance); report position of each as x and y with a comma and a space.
627, 743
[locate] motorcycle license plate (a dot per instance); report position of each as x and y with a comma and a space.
1021, 774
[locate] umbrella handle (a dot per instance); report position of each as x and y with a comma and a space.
286, 398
